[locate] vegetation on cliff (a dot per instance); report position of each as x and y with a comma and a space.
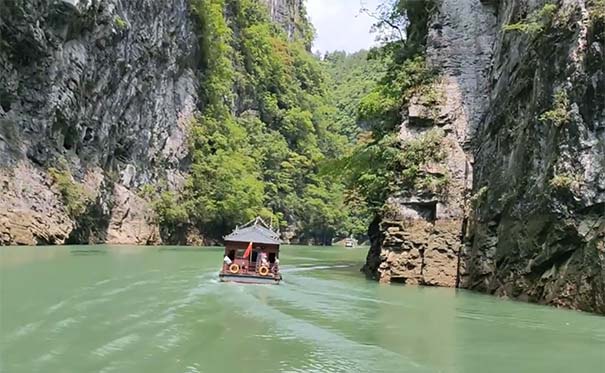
264, 129
308, 144
380, 163
351, 78
536, 22
75, 197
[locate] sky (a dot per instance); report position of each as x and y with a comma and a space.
339, 24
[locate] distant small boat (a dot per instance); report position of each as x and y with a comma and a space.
252, 254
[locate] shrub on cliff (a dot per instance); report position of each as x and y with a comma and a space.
75, 197
120, 23
558, 115
536, 22
380, 163
418, 153
565, 182
171, 212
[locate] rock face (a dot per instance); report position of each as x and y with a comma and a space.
96, 87
287, 13
524, 117
87, 84
419, 239
538, 231
132, 220
31, 212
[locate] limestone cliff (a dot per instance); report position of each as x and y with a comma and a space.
95, 98
418, 239
537, 228
287, 13
522, 109
99, 89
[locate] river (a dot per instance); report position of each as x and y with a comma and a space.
161, 309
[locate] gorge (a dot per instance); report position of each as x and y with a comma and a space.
118, 118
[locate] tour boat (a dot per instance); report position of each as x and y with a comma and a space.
252, 254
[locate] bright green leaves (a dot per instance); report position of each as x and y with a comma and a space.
380, 111
75, 196
380, 164
352, 77
216, 50
369, 170
263, 129
536, 22
559, 114
415, 156
225, 181
171, 211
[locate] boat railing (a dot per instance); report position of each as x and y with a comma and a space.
247, 267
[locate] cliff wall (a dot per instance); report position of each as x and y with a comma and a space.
521, 102
95, 100
537, 227
418, 239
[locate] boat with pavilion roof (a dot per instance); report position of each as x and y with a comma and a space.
252, 254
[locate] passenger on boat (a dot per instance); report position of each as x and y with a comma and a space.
263, 259
227, 260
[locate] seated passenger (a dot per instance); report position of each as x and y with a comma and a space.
263, 259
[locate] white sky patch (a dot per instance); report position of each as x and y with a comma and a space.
340, 25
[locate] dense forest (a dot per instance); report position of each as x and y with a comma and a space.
380, 163
274, 118
307, 142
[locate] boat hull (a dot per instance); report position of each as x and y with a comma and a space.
248, 279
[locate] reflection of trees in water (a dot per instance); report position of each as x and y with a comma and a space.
12, 256
190, 249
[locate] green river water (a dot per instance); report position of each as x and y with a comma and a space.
161, 309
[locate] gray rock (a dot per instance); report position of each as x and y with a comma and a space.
82, 90
539, 233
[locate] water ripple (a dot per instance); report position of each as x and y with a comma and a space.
116, 345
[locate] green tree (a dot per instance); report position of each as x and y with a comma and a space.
264, 128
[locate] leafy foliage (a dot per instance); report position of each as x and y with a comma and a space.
596, 9
381, 108
75, 197
171, 212
380, 164
565, 182
536, 22
120, 23
418, 153
351, 78
479, 197
559, 114
265, 127
274, 126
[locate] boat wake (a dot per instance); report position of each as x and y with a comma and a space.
313, 268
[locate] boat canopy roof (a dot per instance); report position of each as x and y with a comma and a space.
255, 231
